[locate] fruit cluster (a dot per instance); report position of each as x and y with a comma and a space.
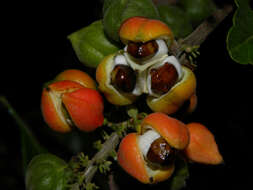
150, 154
146, 66
143, 66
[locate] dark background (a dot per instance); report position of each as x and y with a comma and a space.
35, 49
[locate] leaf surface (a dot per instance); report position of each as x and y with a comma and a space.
91, 44
240, 35
120, 10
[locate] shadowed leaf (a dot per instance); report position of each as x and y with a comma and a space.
240, 36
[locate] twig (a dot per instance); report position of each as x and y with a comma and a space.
108, 146
198, 36
104, 152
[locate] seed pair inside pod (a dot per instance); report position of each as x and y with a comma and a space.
157, 80
145, 66
156, 150
141, 55
142, 51
163, 76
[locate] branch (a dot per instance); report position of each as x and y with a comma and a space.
199, 35
110, 145
104, 152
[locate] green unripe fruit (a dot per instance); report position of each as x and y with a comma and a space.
176, 19
46, 172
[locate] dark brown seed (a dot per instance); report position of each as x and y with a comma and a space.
123, 78
163, 78
160, 152
141, 50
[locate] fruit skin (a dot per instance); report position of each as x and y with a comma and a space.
131, 160
46, 172
202, 147
82, 106
77, 76
170, 102
141, 29
193, 103
103, 76
172, 130
85, 107
51, 104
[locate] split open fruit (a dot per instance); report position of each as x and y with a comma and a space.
67, 103
149, 155
146, 66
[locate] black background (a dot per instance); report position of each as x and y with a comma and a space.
36, 48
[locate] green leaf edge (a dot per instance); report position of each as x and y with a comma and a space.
228, 36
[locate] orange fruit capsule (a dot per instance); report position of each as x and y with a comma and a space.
174, 131
184, 90
141, 29
142, 154
65, 104
202, 147
131, 159
77, 76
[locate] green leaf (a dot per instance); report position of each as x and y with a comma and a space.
178, 181
240, 35
176, 19
105, 135
113, 154
107, 4
91, 44
198, 10
46, 171
120, 10
29, 144
104, 167
97, 144
84, 159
